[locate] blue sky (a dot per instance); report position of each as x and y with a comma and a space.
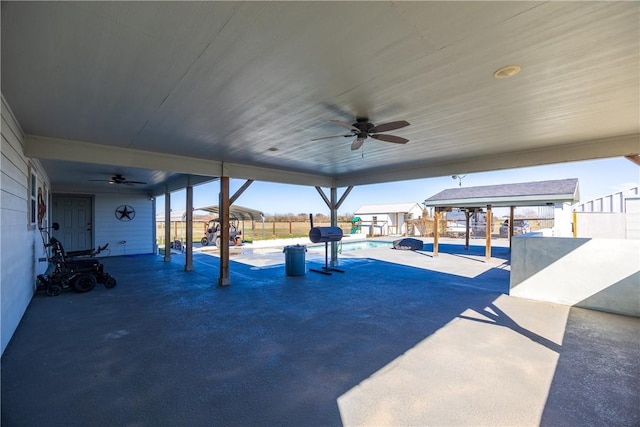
597, 178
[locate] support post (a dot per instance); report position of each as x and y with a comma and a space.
188, 263
510, 231
167, 227
467, 215
487, 251
334, 223
334, 205
224, 232
436, 233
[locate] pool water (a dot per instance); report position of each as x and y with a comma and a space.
353, 246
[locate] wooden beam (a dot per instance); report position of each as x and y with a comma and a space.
344, 196
436, 221
188, 260
167, 227
241, 190
511, 212
224, 232
324, 197
635, 158
467, 215
42, 147
603, 148
487, 251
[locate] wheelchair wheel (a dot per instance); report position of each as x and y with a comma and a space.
110, 282
84, 283
53, 290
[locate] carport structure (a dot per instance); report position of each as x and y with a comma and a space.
236, 212
171, 94
474, 199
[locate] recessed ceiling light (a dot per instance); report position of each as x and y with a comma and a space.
506, 72
273, 149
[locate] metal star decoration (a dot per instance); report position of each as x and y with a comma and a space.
125, 213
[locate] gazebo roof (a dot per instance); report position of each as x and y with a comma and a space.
520, 194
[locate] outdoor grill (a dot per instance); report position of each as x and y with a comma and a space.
325, 234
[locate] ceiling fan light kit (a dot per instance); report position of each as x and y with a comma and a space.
363, 129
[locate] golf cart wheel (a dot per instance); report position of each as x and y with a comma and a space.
54, 290
217, 242
84, 283
110, 282
204, 241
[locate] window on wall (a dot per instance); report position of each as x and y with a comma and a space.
43, 205
33, 196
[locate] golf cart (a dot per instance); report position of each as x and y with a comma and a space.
212, 233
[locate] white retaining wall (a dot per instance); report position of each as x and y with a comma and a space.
599, 274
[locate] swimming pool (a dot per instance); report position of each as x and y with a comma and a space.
354, 246
316, 248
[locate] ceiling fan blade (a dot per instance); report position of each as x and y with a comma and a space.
133, 182
345, 125
385, 127
357, 144
390, 138
327, 137
99, 180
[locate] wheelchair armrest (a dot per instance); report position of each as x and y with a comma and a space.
83, 252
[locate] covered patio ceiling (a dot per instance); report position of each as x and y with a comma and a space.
159, 91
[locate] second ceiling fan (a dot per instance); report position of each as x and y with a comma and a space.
363, 129
118, 179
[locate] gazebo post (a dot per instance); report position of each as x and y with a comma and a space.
511, 211
467, 214
487, 252
436, 221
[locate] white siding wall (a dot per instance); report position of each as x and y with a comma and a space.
603, 225
382, 223
562, 219
137, 233
20, 243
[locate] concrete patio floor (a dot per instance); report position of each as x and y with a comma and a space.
399, 338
